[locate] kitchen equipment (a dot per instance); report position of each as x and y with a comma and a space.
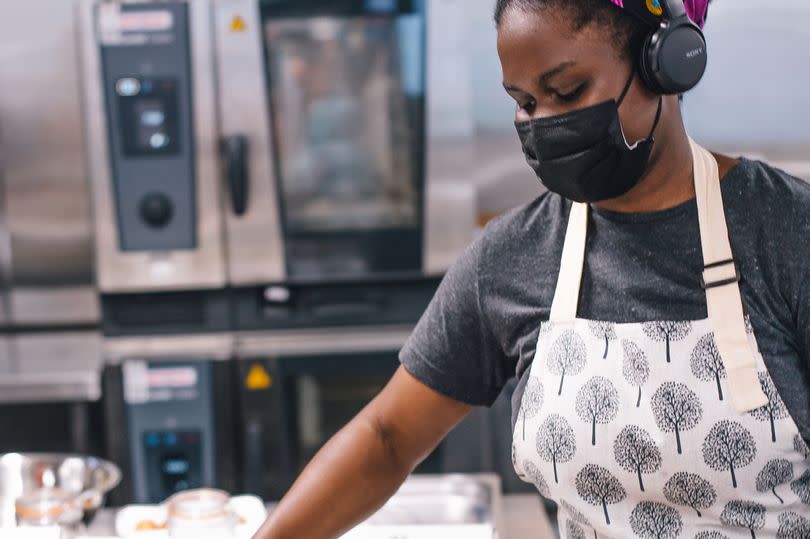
311, 116
50, 354
438, 506
53, 485
154, 521
48, 507
176, 405
200, 513
311, 119
297, 389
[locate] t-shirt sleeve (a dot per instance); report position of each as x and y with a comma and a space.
801, 279
452, 349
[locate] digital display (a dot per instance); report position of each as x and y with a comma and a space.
175, 466
149, 116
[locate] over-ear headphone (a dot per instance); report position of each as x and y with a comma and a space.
673, 58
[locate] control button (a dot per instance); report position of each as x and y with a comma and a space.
127, 87
170, 439
158, 140
156, 209
152, 440
191, 438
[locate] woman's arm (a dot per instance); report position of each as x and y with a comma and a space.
366, 462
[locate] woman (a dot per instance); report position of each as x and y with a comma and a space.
647, 405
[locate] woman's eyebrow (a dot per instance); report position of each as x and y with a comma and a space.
544, 78
548, 75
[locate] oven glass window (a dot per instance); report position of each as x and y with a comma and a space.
326, 404
347, 108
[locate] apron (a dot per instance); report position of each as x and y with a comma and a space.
664, 429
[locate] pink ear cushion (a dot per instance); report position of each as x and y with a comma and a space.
695, 8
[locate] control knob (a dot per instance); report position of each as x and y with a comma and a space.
156, 210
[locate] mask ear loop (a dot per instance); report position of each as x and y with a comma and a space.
657, 113
626, 88
657, 117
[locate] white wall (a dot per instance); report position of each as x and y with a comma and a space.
755, 97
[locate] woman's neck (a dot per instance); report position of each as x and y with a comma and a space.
668, 180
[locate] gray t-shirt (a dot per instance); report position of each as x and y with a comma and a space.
481, 327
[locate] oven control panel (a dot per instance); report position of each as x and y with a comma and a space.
173, 461
145, 57
171, 426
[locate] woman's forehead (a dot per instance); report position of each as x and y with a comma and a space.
533, 42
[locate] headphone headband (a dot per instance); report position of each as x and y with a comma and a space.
673, 9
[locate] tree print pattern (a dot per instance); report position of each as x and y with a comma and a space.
749, 328
743, 514
653, 520
801, 487
775, 409
707, 365
776, 472
567, 356
556, 442
603, 330
597, 486
534, 475
597, 403
514, 462
729, 446
801, 446
690, 490
635, 368
573, 530
577, 515
532, 401
636, 452
793, 526
676, 409
667, 331
711, 535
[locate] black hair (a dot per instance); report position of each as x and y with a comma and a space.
628, 32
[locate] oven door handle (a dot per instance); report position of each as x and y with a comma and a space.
234, 155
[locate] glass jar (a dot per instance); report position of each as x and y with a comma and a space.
50, 507
201, 513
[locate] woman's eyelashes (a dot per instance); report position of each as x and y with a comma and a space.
526, 107
553, 97
570, 96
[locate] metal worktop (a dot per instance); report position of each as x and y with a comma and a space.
522, 516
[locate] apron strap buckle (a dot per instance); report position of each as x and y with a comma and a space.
717, 274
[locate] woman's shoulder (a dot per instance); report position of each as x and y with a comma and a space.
762, 182
542, 216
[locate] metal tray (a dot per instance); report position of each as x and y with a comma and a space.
443, 500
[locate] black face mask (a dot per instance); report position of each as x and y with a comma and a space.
582, 155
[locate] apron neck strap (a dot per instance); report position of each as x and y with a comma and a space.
720, 280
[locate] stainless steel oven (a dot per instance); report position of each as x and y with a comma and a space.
261, 171
262, 142
298, 388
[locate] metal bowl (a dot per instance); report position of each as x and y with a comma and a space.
88, 479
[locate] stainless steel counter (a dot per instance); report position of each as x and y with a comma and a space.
522, 516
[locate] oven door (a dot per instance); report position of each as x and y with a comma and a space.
298, 389
323, 122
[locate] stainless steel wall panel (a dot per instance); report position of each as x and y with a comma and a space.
46, 206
